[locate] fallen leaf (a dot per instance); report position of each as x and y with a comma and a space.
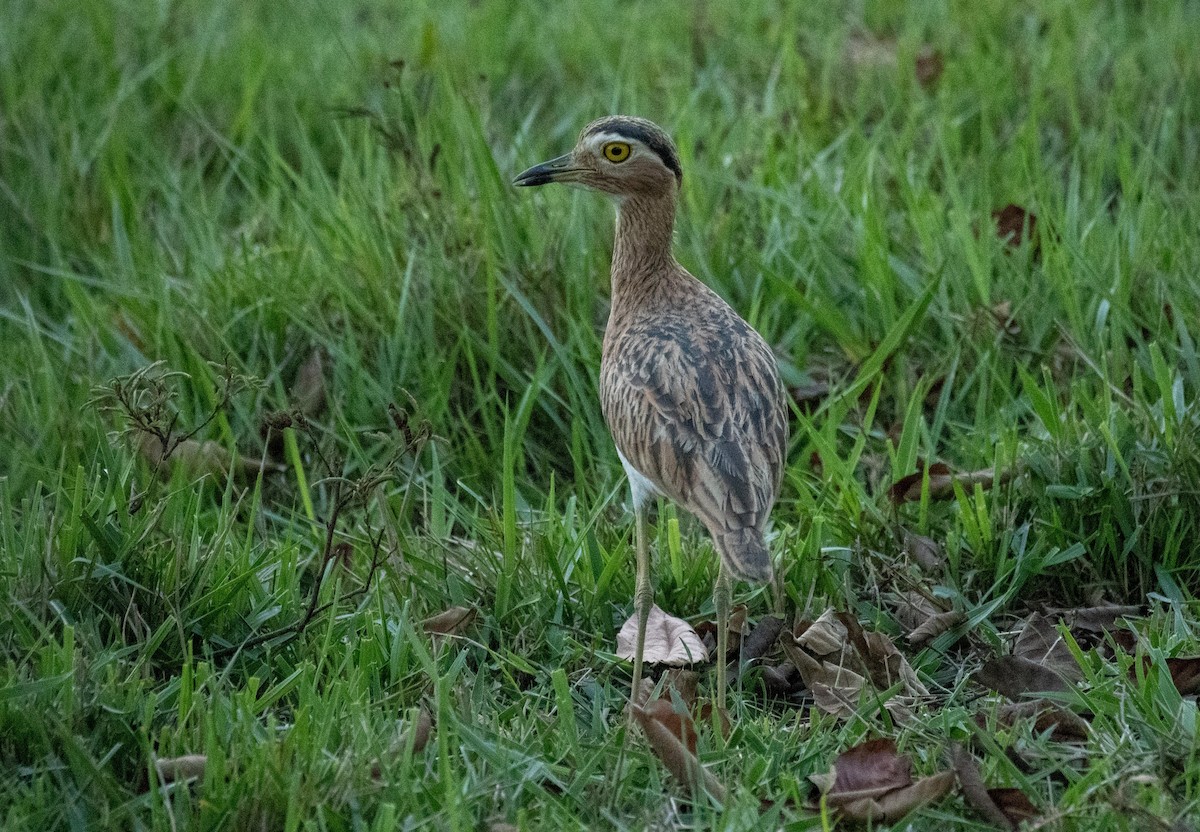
1014, 224
888, 666
1005, 812
680, 724
1099, 619
1185, 673
1042, 643
782, 680
684, 682
451, 622
308, 388
871, 782
929, 65
907, 489
1015, 677
421, 731
669, 640
934, 626
896, 804
738, 629
187, 767
419, 734
1064, 725
1015, 805
761, 639
706, 716
824, 636
927, 552
882, 661
681, 763
837, 689
913, 608
868, 769
815, 671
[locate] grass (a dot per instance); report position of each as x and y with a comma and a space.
208, 184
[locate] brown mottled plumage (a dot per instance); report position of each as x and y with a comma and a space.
690, 392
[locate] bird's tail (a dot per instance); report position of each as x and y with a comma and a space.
745, 554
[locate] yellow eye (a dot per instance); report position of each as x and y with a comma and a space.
616, 151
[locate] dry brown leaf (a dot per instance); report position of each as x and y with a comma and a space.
187, 767
873, 782
815, 671
451, 622
927, 552
1015, 677
739, 628
887, 665
706, 716
1015, 805
683, 765
929, 65
669, 640
1185, 673
680, 724
896, 804
869, 769
761, 639
782, 680
1042, 643
684, 682
934, 626
1064, 725
1014, 224
837, 689
879, 657
308, 388
970, 780
914, 608
1099, 619
1005, 808
907, 489
419, 734
824, 636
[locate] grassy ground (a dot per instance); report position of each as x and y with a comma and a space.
224, 186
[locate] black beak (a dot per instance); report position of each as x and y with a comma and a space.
556, 170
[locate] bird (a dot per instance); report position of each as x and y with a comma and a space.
690, 392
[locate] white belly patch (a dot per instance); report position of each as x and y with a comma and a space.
639, 485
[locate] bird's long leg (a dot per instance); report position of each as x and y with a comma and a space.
722, 593
643, 598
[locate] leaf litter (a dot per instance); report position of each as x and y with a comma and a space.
669, 640
942, 480
872, 782
1004, 808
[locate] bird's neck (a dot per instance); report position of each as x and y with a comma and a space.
642, 249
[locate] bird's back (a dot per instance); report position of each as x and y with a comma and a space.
692, 396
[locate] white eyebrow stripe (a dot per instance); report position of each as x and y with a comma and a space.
598, 140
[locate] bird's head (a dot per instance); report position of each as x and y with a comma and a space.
619, 155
